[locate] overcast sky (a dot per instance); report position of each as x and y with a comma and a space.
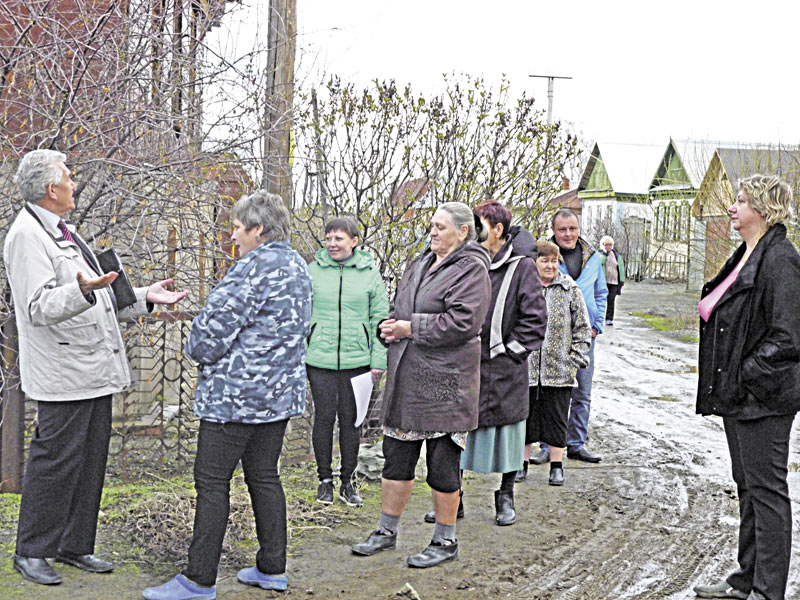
642, 70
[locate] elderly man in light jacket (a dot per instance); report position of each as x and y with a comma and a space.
72, 359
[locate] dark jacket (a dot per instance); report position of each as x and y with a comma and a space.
433, 377
512, 330
749, 364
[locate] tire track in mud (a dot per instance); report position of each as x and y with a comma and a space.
635, 546
656, 520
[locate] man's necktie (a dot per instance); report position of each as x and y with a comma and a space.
87, 256
65, 231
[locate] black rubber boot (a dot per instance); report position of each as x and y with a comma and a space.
504, 508
522, 474
430, 517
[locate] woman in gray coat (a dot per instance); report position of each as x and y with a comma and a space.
433, 379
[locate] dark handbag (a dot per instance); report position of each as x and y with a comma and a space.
121, 286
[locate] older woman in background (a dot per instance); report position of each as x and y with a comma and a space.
514, 327
249, 343
349, 302
552, 369
749, 374
433, 379
614, 266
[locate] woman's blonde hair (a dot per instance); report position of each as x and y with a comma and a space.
606, 239
769, 196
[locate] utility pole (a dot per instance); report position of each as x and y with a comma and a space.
550, 79
322, 174
277, 176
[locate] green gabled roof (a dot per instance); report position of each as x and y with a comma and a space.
598, 179
671, 174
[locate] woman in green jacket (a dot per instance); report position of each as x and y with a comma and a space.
349, 302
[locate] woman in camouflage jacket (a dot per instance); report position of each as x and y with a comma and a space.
249, 341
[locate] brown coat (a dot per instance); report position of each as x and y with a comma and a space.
433, 377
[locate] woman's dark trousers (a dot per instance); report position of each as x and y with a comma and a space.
64, 478
759, 455
613, 291
333, 395
220, 447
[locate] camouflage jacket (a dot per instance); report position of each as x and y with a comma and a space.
249, 339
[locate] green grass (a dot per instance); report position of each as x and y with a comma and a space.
147, 524
680, 323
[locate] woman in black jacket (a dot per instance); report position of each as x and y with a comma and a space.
749, 374
514, 327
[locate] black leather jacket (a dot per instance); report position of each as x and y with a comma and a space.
749, 363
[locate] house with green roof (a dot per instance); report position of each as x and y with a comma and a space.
613, 191
671, 194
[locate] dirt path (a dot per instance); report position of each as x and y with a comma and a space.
657, 515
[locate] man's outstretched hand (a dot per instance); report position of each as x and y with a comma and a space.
157, 293
89, 285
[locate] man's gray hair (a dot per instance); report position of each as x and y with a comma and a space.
37, 170
265, 209
461, 214
564, 213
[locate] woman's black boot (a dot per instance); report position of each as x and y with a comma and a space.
504, 507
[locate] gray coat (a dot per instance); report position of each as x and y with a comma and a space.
568, 337
433, 377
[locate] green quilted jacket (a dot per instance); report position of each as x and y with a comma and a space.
349, 302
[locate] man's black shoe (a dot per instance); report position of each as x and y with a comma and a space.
584, 455
37, 570
378, 540
435, 554
87, 562
540, 457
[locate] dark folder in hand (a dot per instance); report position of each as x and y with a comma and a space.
123, 290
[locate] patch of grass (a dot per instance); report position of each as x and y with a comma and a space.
683, 322
9, 507
150, 522
665, 398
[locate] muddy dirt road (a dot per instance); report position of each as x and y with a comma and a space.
655, 516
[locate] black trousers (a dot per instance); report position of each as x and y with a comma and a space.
613, 289
759, 455
220, 447
333, 396
64, 478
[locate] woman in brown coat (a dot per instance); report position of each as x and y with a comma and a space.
433, 379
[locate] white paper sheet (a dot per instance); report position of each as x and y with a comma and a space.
362, 388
